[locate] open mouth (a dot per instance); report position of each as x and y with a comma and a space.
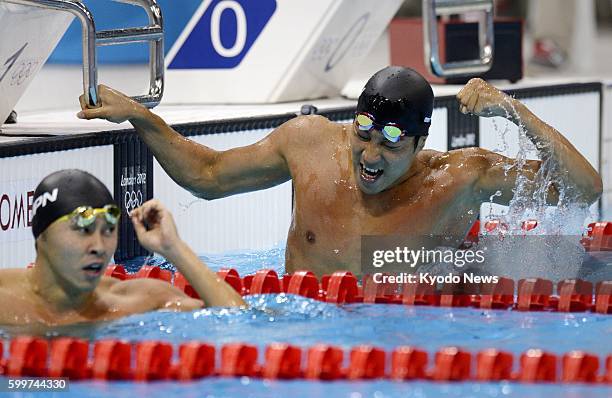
93, 270
369, 175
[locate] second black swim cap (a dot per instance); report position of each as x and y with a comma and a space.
399, 95
61, 192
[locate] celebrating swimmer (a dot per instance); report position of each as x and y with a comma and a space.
370, 177
75, 225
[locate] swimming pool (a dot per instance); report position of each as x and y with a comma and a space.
304, 322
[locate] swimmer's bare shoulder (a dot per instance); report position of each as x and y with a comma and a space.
474, 160
467, 164
306, 132
158, 295
12, 296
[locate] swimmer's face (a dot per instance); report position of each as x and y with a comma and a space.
78, 256
379, 163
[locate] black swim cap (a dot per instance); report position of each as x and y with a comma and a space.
61, 192
399, 95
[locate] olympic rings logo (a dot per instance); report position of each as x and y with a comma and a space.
133, 200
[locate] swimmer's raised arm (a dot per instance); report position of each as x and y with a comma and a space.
156, 231
207, 173
499, 173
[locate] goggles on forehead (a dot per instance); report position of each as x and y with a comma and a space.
84, 216
391, 131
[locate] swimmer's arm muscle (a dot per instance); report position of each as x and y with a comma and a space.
212, 174
156, 231
207, 173
214, 291
497, 176
570, 168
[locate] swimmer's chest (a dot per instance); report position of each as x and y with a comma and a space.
339, 209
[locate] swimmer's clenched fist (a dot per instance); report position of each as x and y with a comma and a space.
482, 99
75, 225
115, 107
372, 176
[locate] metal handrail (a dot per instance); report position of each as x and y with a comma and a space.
434, 8
154, 33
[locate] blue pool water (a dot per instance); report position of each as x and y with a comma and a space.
303, 322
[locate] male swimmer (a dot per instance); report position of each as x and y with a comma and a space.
74, 223
371, 177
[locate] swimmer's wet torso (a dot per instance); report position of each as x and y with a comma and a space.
332, 212
371, 177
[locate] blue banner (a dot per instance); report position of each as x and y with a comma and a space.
111, 15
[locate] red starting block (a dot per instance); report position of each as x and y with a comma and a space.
608, 375
580, 367
538, 366
342, 288
408, 363
283, 361
112, 360
238, 360
232, 278
196, 360
181, 283
324, 362
366, 362
419, 294
575, 295
493, 365
498, 295
265, 281
303, 283
452, 364
603, 297
534, 294
152, 360
68, 358
28, 357
116, 271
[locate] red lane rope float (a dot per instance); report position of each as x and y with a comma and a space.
153, 360
533, 294
599, 237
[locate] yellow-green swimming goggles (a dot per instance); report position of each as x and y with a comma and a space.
84, 216
391, 131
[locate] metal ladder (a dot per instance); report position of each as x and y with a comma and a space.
153, 33
434, 8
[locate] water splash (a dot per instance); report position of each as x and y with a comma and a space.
530, 197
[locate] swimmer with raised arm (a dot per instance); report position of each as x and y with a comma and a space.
75, 226
369, 177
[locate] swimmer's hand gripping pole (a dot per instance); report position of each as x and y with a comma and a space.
153, 33
434, 8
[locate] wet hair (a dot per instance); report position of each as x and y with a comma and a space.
399, 95
61, 192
